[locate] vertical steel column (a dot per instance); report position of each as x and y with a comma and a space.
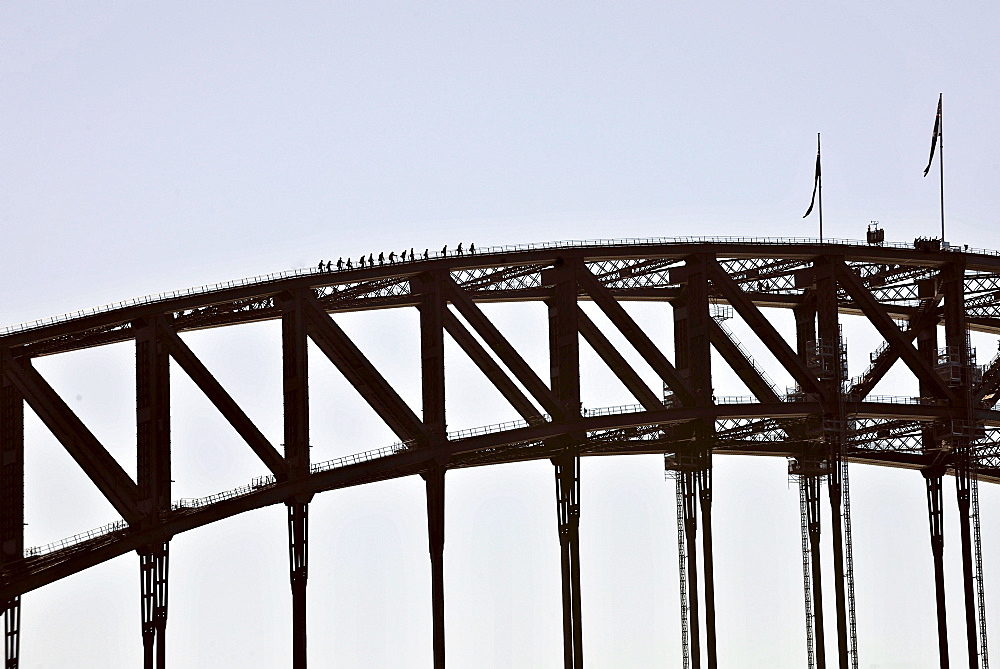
956, 339
935, 517
152, 380
927, 346
828, 322
11, 503
692, 347
434, 480
962, 475
432, 308
689, 482
567, 468
152, 405
12, 632
298, 562
153, 572
806, 340
813, 516
295, 386
564, 366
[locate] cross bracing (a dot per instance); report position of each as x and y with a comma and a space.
922, 303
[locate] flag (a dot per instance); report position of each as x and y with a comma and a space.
935, 134
817, 180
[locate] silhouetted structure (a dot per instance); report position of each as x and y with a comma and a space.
821, 424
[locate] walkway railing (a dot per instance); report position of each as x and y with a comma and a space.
267, 481
492, 250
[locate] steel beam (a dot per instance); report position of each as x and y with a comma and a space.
878, 317
102, 469
298, 563
222, 400
828, 328
12, 633
742, 365
813, 511
432, 308
617, 363
926, 317
11, 471
497, 376
361, 374
152, 409
763, 328
634, 334
692, 346
11, 505
434, 480
688, 482
153, 573
957, 340
567, 469
521, 370
295, 384
935, 517
564, 365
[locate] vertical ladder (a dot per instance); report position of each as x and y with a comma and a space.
849, 556
807, 572
980, 594
682, 570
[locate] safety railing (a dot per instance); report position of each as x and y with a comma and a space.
486, 251
76, 539
267, 481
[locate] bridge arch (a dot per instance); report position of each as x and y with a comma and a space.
825, 420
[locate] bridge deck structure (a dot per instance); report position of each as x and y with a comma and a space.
923, 299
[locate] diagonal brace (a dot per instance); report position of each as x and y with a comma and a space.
741, 364
616, 363
634, 334
79, 442
920, 367
226, 405
491, 369
508, 356
360, 372
775, 343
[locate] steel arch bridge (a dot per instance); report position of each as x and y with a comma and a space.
922, 299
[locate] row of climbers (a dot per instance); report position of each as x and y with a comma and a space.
328, 266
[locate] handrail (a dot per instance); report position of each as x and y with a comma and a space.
492, 250
267, 481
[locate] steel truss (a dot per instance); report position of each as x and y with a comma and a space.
825, 421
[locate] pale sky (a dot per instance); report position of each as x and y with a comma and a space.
149, 147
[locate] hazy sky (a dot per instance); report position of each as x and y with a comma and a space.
154, 146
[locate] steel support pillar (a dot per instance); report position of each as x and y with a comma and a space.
957, 353
153, 572
295, 388
705, 497
692, 346
688, 481
935, 517
568, 507
434, 479
564, 371
831, 372
298, 562
813, 516
12, 633
11, 504
962, 482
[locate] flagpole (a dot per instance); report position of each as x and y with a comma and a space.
940, 167
821, 191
